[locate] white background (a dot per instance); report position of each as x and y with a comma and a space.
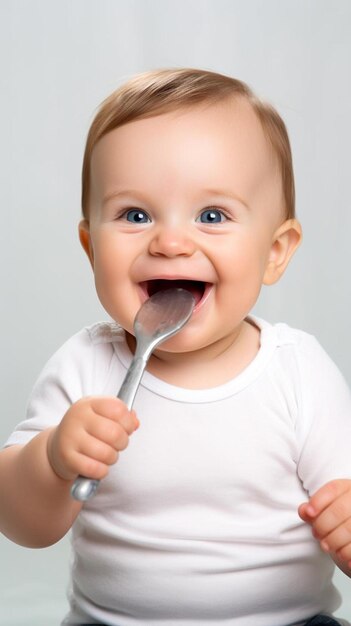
59, 59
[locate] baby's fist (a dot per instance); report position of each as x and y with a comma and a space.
90, 436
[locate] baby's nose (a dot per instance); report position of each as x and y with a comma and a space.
171, 242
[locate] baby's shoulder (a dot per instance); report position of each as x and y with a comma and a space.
87, 353
304, 343
304, 349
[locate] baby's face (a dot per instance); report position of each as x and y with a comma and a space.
192, 196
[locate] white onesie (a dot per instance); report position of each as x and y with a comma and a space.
197, 523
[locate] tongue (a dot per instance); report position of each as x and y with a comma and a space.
195, 287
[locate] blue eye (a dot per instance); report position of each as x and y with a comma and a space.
211, 216
136, 216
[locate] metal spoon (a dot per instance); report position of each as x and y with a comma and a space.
160, 317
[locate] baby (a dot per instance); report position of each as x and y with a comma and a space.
233, 500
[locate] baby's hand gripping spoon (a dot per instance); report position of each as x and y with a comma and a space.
161, 316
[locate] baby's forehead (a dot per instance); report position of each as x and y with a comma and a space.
232, 117
229, 130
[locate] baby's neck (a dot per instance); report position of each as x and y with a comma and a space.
211, 366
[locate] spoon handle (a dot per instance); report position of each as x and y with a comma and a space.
84, 488
132, 380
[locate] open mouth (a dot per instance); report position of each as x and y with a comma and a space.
197, 288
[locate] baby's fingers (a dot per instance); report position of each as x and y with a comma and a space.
325, 496
329, 514
95, 459
338, 542
116, 411
109, 432
335, 517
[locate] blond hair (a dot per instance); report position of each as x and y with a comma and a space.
161, 91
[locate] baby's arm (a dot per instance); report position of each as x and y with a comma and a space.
329, 513
36, 507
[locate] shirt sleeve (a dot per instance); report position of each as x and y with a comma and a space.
324, 423
65, 379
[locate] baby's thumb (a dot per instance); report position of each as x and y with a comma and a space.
305, 513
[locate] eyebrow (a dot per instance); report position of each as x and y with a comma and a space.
227, 194
117, 194
210, 192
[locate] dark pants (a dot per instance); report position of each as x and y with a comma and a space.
318, 620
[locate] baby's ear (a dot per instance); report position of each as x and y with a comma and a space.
285, 242
85, 240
